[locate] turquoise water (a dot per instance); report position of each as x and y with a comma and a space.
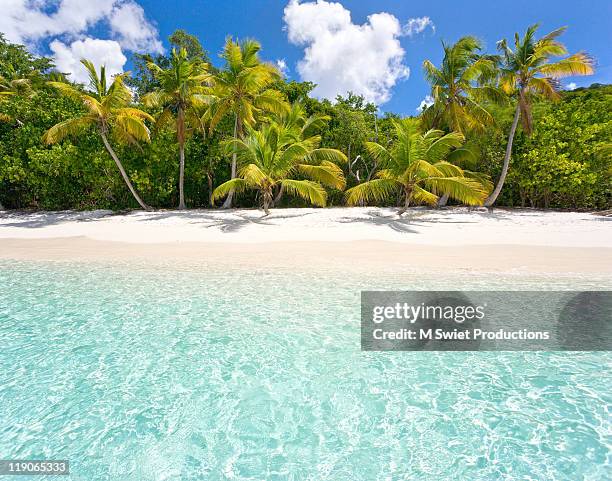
137, 372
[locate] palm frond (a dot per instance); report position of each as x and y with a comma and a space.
376, 190
462, 189
67, 128
237, 185
308, 190
130, 127
327, 173
422, 196
578, 64
326, 154
253, 175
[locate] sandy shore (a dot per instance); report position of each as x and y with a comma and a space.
524, 240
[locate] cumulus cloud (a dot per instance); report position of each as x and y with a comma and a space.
426, 102
100, 52
417, 25
66, 24
129, 24
340, 56
571, 86
27, 21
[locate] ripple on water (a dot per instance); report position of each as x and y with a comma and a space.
141, 373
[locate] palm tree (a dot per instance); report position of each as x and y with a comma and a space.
14, 85
459, 88
415, 167
296, 123
243, 90
527, 73
106, 108
183, 88
271, 157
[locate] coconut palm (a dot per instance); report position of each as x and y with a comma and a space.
11, 85
298, 125
297, 120
460, 86
243, 90
527, 73
271, 157
184, 88
107, 109
415, 167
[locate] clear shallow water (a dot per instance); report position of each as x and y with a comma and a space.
143, 373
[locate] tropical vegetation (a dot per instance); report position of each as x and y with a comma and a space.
417, 170
244, 134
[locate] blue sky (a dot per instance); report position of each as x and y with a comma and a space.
343, 51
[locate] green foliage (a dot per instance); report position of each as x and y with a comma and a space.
416, 168
565, 163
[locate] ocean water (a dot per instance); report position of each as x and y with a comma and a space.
167, 372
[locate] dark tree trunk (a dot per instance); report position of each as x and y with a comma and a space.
210, 189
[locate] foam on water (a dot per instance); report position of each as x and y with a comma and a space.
141, 373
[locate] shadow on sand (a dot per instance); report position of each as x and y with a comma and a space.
32, 220
224, 220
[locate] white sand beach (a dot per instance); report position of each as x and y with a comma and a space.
500, 239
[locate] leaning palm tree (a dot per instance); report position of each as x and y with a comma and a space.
184, 88
415, 168
271, 157
528, 73
459, 88
107, 108
243, 90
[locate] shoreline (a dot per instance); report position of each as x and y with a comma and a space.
343, 239
341, 256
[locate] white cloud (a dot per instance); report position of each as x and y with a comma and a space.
27, 21
66, 24
281, 64
571, 86
426, 102
340, 56
417, 25
100, 52
130, 26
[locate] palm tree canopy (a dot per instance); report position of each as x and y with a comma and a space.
528, 70
272, 156
185, 87
460, 86
295, 120
105, 106
244, 86
416, 164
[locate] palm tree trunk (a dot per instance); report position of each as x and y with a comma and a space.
500, 183
180, 131
267, 199
228, 201
210, 189
181, 176
122, 170
406, 202
443, 200
279, 196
